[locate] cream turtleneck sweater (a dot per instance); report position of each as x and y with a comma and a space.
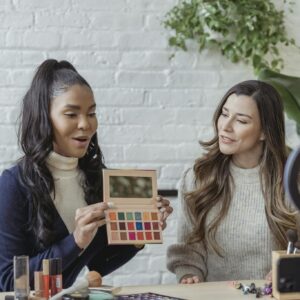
244, 234
69, 194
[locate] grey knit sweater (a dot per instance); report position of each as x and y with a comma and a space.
243, 235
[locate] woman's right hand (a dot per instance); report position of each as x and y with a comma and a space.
87, 221
188, 279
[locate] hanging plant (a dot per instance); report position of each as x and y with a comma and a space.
243, 30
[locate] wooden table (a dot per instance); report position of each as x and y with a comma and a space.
202, 291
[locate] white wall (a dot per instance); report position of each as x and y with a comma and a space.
152, 111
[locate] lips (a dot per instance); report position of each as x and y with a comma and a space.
226, 140
81, 141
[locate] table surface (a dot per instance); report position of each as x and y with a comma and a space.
201, 291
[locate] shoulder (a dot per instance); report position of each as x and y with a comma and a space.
188, 180
10, 185
10, 176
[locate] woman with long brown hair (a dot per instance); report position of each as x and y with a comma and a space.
232, 211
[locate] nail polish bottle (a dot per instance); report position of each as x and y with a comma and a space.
55, 269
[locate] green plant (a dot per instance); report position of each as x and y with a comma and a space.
289, 89
244, 30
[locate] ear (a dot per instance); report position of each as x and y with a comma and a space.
262, 137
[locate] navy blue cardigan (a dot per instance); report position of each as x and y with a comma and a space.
15, 239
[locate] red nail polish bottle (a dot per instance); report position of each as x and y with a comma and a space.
55, 271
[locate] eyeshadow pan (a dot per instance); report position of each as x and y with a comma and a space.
147, 226
139, 225
122, 226
112, 216
130, 226
121, 216
129, 216
114, 236
146, 216
155, 226
154, 216
123, 236
148, 235
138, 216
131, 235
113, 226
140, 236
156, 235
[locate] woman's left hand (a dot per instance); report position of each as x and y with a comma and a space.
165, 209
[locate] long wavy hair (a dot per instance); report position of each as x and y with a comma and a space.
212, 171
35, 136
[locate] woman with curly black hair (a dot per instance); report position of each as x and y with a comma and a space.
51, 200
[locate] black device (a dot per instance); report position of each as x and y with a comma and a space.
288, 278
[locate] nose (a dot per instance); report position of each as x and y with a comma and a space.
83, 123
227, 124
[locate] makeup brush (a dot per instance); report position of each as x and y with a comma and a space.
292, 238
297, 247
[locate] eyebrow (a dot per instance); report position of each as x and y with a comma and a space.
239, 114
77, 107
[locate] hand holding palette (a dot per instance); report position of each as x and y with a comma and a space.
134, 217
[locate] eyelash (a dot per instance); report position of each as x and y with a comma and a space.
226, 115
70, 115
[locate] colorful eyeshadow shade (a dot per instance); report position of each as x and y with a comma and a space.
138, 216
131, 236
148, 235
114, 226
156, 235
129, 216
139, 225
123, 236
121, 216
133, 227
147, 226
140, 235
112, 216
130, 226
146, 216
122, 226
154, 216
155, 226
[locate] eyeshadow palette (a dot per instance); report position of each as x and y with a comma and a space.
133, 217
146, 296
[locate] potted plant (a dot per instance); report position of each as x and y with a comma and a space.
243, 30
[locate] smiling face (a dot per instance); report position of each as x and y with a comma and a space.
239, 131
73, 120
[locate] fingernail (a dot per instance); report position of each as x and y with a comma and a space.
158, 198
163, 209
110, 204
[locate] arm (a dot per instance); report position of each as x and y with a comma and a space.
186, 260
15, 239
111, 258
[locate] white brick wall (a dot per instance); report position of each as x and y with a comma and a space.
152, 111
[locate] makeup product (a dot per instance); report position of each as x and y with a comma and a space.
38, 284
21, 277
106, 289
146, 296
292, 239
133, 217
46, 278
55, 272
